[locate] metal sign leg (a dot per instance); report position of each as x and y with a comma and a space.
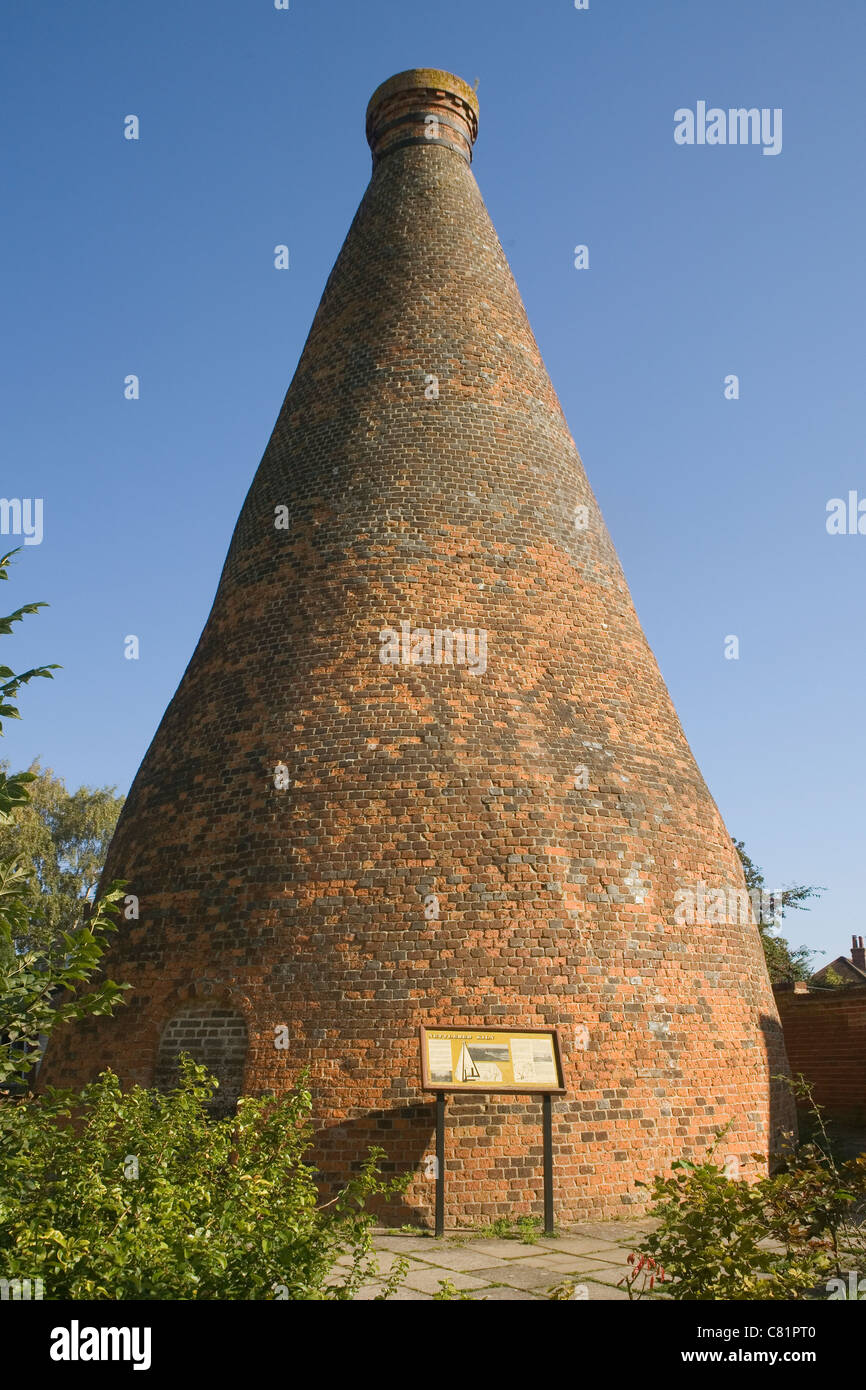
440, 1163
547, 1127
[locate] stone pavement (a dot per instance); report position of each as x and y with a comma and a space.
592, 1255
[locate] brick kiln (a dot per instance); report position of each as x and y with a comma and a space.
422, 767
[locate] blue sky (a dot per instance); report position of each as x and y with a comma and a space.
155, 257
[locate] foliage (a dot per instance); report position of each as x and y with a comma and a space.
710, 1239
526, 1229
785, 963
642, 1275
33, 984
13, 789
61, 838
849, 1237
831, 979
449, 1293
722, 1238
140, 1195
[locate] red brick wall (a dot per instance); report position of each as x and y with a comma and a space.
825, 1037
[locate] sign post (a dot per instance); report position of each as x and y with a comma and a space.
440, 1163
510, 1061
547, 1126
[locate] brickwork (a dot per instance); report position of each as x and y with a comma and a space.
825, 1037
448, 843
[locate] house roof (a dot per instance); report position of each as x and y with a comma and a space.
844, 967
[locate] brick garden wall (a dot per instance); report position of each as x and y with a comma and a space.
825, 1037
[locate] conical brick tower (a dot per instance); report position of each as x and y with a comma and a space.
332, 843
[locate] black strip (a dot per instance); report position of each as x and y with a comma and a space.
422, 140
419, 116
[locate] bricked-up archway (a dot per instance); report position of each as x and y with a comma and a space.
213, 1035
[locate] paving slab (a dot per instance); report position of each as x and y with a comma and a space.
407, 1295
603, 1270
455, 1259
429, 1279
598, 1292
617, 1231
368, 1292
582, 1245
385, 1259
502, 1249
506, 1294
592, 1254
517, 1276
617, 1264
404, 1245
561, 1264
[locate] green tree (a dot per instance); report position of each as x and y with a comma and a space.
61, 837
13, 789
785, 963
40, 986
39, 989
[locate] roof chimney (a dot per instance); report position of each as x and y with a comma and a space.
858, 952
422, 106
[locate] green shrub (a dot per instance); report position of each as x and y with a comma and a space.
781, 1237
140, 1195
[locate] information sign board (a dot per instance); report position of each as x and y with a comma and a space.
516, 1060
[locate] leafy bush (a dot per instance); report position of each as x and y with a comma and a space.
642, 1276
139, 1195
449, 1293
781, 1237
